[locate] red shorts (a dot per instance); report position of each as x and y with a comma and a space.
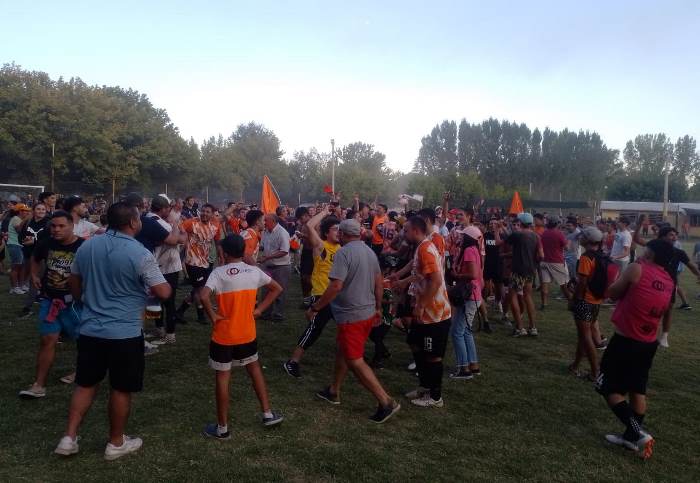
351, 337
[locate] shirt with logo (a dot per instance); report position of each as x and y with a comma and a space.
236, 287
59, 258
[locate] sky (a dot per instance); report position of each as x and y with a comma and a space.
381, 72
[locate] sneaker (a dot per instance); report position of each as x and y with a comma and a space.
149, 349
68, 379
476, 372
157, 333
411, 367
168, 339
643, 446
273, 420
499, 307
462, 375
532, 332
603, 345
327, 395
67, 446
128, 446
385, 412
212, 431
292, 368
520, 332
685, 307
428, 402
26, 313
417, 393
34, 392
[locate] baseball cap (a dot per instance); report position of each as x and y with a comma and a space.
591, 233
350, 227
525, 218
453, 211
472, 232
22, 207
13, 199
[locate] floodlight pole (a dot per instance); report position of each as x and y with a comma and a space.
665, 209
333, 166
53, 154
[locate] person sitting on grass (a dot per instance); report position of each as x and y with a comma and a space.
233, 340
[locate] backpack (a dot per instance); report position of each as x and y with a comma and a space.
605, 273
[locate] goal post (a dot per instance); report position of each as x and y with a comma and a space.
26, 192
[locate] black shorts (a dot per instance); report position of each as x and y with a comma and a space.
122, 358
585, 312
198, 276
625, 366
431, 339
306, 262
224, 357
493, 273
405, 308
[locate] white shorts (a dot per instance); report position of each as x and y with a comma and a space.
554, 272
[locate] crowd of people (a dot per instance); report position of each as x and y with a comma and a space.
437, 275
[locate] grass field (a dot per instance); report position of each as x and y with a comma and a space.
524, 419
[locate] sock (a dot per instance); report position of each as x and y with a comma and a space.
221, 429
434, 370
639, 417
267, 414
624, 413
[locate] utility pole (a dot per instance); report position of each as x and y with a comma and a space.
665, 210
53, 154
333, 166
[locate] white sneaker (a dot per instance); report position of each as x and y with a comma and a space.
168, 339
411, 367
34, 392
67, 446
417, 393
149, 349
428, 402
128, 446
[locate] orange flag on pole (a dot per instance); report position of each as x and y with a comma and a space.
516, 205
270, 200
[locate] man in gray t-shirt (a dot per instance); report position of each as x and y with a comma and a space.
355, 295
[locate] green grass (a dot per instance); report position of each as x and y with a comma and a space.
524, 419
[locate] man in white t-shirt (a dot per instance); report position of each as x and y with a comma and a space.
620, 252
81, 227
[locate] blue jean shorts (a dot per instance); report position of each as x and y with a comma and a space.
16, 254
67, 320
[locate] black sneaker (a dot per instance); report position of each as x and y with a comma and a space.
211, 431
274, 420
685, 307
327, 395
385, 412
292, 368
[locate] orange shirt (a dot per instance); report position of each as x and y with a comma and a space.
252, 242
199, 238
426, 261
234, 224
538, 229
377, 228
236, 287
439, 242
586, 267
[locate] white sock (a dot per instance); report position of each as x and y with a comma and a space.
268, 414
221, 429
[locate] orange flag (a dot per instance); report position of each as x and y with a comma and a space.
270, 201
516, 206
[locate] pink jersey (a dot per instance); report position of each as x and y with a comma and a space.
638, 312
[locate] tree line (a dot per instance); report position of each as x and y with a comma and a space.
107, 136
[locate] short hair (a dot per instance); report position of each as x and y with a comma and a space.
666, 230
386, 208
62, 214
539, 216
120, 214
301, 211
625, 220
134, 199
45, 194
252, 217
552, 223
189, 198
428, 213
208, 205
469, 211
71, 202
418, 223
362, 205
159, 203
350, 214
573, 220
663, 252
328, 223
233, 246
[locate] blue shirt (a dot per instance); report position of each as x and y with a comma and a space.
116, 272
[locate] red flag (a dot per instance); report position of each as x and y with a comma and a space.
327, 189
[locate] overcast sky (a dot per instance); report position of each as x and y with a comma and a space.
382, 72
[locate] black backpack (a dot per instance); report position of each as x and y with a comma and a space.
603, 276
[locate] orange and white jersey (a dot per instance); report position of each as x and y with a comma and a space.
439, 242
236, 287
426, 261
252, 242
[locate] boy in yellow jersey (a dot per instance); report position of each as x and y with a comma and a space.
233, 339
324, 248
